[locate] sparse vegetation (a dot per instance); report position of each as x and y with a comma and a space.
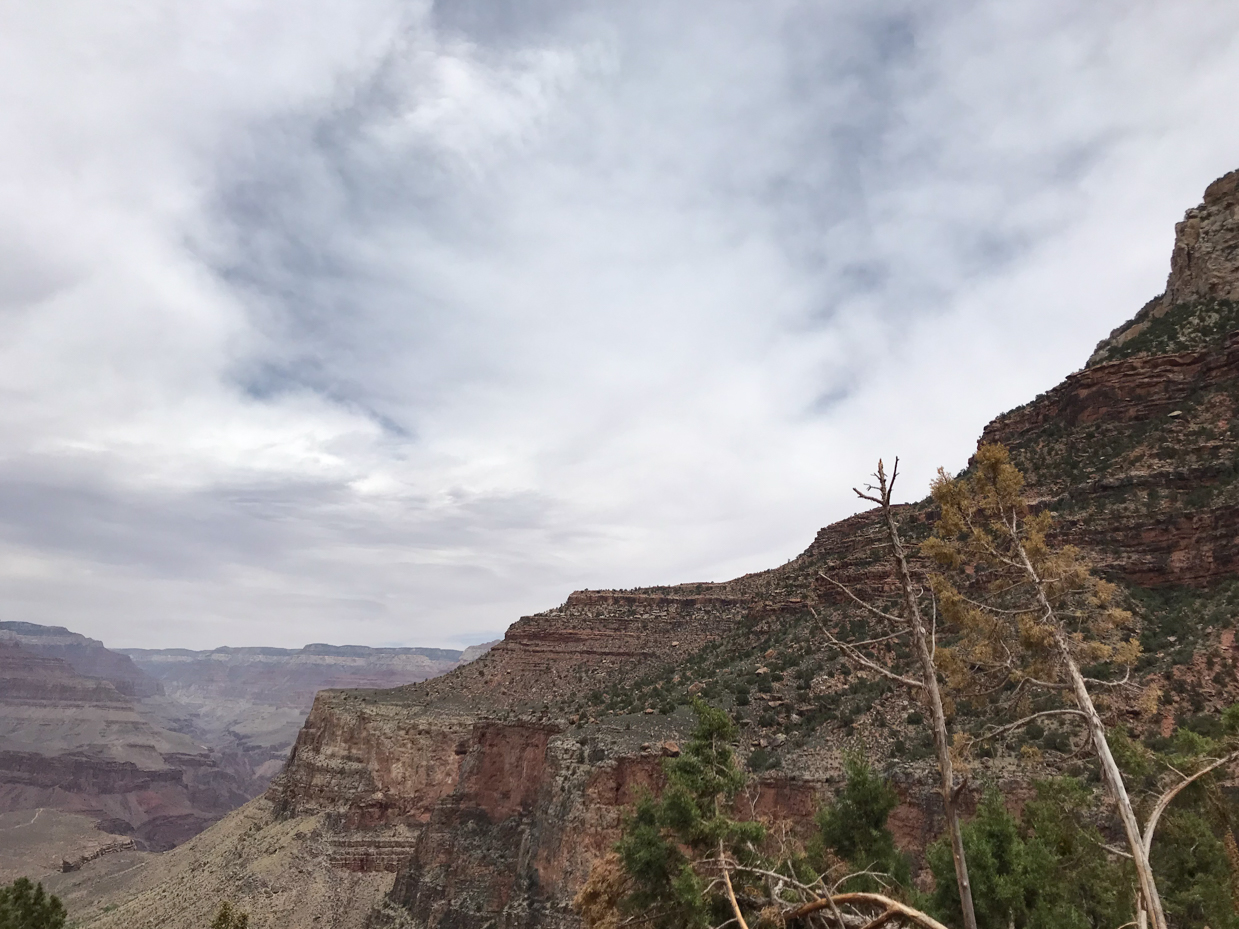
230, 917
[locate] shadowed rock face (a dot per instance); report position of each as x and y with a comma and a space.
1205, 262
488, 793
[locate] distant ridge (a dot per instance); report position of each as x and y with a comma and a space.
316, 648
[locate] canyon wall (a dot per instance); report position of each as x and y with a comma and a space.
481, 798
78, 744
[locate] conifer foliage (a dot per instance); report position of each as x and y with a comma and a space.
685, 862
1038, 615
1045, 871
668, 840
26, 905
853, 828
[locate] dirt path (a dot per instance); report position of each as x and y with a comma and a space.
32, 819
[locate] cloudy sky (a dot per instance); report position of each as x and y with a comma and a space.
387, 321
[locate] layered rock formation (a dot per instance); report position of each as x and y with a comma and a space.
87, 657
77, 744
249, 703
481, 798
159, 756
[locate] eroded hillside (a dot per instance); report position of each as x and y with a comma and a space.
483, 797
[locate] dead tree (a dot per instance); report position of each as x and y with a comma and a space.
912, 623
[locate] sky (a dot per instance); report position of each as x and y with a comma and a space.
388, 322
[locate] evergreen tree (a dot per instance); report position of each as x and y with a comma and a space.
1037, 614
853, 827
25, 905
666, 838
1192, 845
1047, 872
1192, 868
685, 862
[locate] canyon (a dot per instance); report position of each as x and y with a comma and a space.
103, 751
482, 797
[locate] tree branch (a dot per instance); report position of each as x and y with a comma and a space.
872, 609
1027, 719
1173, 792
731, 894
861, 659
897, 909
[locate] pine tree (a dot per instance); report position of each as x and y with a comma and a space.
667, 839
853, 827
25, 905
685, 862
1047, 871
1041, 615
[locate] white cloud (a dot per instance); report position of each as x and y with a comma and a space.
386, 322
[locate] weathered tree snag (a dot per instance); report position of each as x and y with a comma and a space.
933, 696
923, 641
1111, 776
891, 909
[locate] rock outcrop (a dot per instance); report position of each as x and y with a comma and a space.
1204, 266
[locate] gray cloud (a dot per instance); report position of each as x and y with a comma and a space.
386, 322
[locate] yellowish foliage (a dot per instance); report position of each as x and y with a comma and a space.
1006, 622
1150, 700
771, 918
961, 752
598, 901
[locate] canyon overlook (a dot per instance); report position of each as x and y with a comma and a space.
104, 751
482, 797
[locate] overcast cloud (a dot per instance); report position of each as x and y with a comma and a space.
387, 322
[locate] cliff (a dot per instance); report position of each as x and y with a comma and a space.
79, 745
87, 657
481, 798
160, 747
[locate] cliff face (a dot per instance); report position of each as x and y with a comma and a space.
1204, 270
249, 703
87, 657
486, 794
88, 732
77, 744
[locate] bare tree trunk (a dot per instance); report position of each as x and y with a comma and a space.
933, 696
1111, 776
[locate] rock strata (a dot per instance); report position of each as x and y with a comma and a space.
77, 744
483, 797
